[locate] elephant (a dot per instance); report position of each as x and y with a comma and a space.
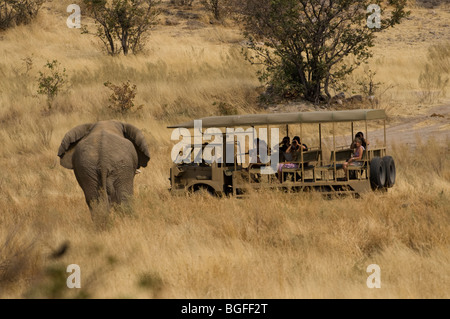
105, 157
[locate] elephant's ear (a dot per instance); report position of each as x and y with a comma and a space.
135, 135
69, 142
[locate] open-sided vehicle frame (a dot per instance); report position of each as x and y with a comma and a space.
315, 171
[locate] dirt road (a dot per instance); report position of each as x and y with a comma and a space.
435, 123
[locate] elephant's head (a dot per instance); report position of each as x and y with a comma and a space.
76, 134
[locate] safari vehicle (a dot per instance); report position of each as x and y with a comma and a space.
320, 167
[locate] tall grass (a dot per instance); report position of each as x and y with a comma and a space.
435, 77
268, 245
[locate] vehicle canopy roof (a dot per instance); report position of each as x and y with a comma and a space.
286, 118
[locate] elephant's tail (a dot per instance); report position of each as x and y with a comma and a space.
104, 188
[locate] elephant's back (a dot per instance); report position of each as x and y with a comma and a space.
86, 152
103, 148
116, 149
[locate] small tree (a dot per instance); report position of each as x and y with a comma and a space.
368, 84
303, 44
122, 25
16, 12
122, 97
219, 8
51, 81
214, 6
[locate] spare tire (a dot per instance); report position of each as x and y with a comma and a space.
377, 173
390, 171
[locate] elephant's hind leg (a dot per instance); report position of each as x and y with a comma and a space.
122, 192
94, 195
89, 184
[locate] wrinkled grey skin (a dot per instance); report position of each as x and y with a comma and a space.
104, 157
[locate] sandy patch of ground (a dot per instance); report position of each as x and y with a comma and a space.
434, 123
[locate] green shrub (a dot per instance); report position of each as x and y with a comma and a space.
226, 108
122, 25
16, 12
122, 97
51, 81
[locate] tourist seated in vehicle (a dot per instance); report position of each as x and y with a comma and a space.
304, 146
357, 155
364, 142
282, 148
294, 152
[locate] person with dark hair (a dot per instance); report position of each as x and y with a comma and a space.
357, 155
297, 138
284, 145
293, 151
364, 143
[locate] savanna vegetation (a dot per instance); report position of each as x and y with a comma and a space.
268, 245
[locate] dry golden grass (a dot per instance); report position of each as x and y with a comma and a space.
293, 246
269, 245
400, 55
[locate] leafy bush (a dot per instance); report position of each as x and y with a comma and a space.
16, 12
51, 81
303, 45
122, 25
122, 97
367, 84
219, 8
226, 109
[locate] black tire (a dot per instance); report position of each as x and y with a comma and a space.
390, 171
377, 173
